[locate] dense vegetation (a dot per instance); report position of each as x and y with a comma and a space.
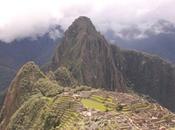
42, 103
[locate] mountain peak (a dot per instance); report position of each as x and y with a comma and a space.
83, 18
81, 25
83, 47
20, 90
82, 61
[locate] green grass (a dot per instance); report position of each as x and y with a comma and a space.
102, 99
98, 98
88, 103
98, 102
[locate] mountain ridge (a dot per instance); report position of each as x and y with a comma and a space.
74, 93
91, 53
156, 38
16, 53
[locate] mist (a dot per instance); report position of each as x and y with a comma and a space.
32, 18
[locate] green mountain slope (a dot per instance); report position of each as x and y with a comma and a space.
87, 54
37, 102
94, 62
16, 53
152, 76
74, 94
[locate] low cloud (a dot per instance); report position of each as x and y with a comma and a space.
31, 18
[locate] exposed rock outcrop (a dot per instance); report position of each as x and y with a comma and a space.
93, 61
29, 81
19, 91
150, 75
87, 54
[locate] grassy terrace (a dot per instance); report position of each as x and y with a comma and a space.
88, 103
98, 103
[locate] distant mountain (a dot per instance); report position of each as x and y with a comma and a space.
20, 51
13, 55
158, 38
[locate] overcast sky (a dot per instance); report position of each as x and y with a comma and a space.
22, 18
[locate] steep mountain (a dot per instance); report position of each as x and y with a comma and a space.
151, 75
147, 74
88, 56
74, 93
29, 81
20, 89
96, 63
14, 54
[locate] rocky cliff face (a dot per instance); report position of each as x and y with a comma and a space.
93, 61
150, 75
29, 85
88, 56
19, 91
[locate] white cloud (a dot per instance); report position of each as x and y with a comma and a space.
22, 18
